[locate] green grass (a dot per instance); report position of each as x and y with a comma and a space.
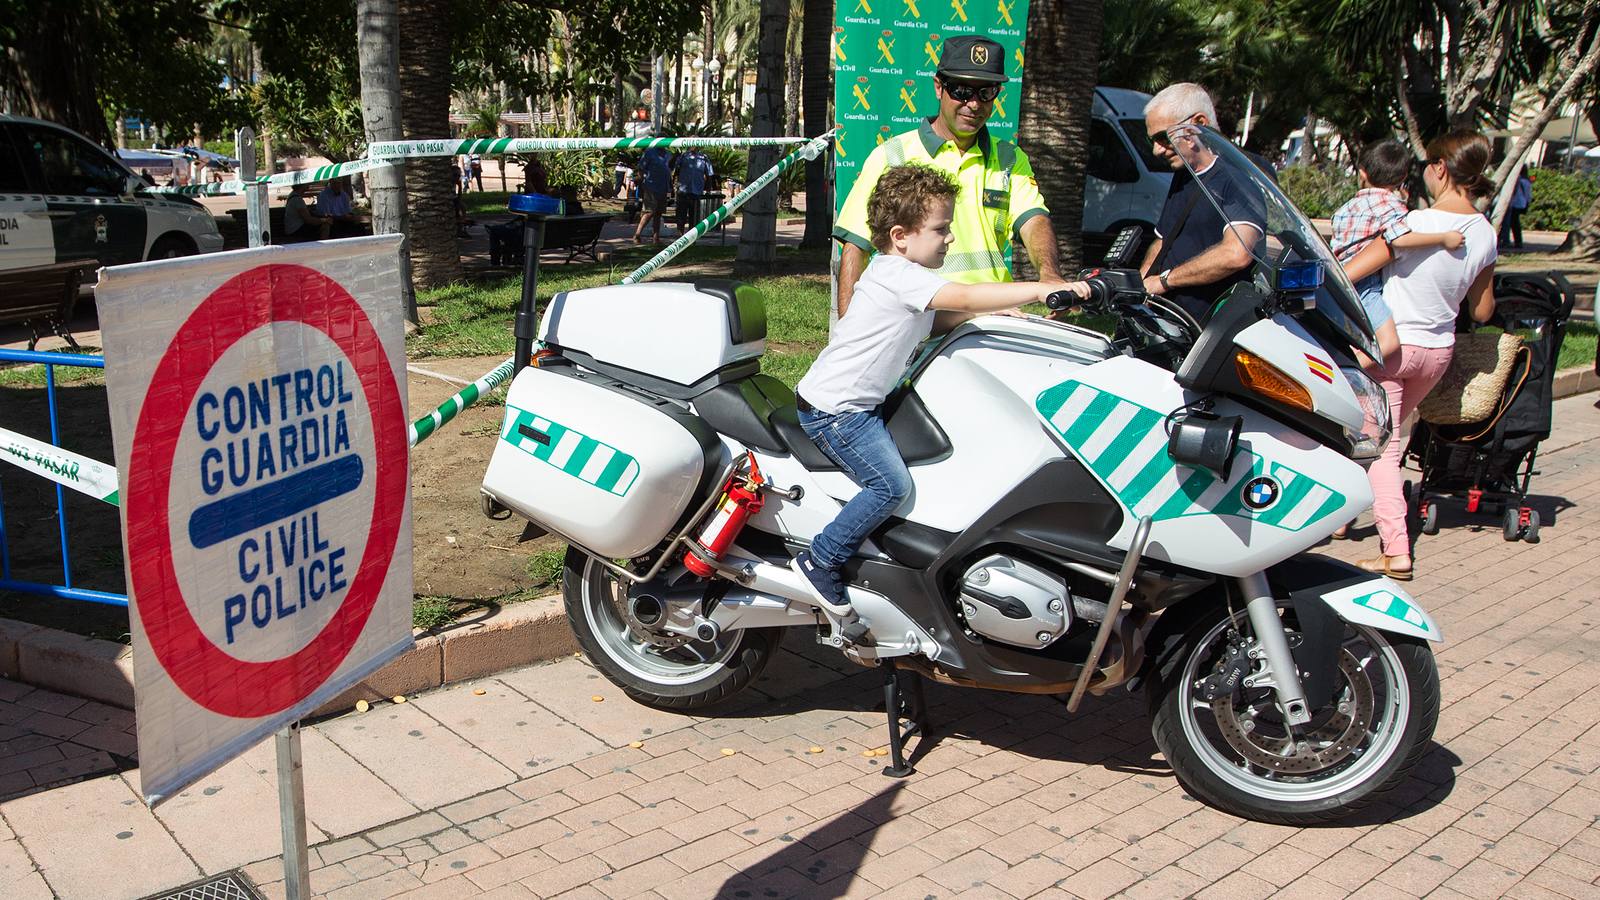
432, 612
33, 376
475, 319
1578, 348
544, 567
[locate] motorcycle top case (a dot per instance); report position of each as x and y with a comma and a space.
678, 333
610, 469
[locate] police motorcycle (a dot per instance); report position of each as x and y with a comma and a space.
1088, 513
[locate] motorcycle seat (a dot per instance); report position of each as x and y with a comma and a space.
759, 411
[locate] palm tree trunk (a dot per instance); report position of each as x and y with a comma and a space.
814, 51
707, 54
425, 113
616, 107
759, 231
377, 43
791, 105
1583, 242
1057, 97
738, 73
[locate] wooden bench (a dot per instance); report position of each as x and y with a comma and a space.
578, 235
44, 296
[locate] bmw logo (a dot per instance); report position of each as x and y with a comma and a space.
1260, 493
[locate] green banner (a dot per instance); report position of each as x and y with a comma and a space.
884, 56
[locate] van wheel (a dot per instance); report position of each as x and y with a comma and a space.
688, 676
171, 246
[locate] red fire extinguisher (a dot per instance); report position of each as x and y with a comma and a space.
741, 499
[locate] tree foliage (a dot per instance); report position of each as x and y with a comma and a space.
78, 62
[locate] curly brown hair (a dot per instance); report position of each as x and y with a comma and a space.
903, 196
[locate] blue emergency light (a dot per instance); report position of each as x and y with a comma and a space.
536, 205
1300, 277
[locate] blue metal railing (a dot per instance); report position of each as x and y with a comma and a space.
64, 589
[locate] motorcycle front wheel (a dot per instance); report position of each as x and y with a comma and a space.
1236, 752
681, 676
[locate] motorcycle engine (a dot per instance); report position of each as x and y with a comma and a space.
1015, 603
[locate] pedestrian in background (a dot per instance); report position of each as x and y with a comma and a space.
1424, 290
1521, 199
656, 167
475, 163
694, 171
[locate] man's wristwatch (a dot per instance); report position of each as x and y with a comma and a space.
1163, 279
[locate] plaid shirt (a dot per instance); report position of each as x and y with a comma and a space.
1371, 212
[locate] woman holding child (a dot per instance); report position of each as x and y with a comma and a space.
1423, 288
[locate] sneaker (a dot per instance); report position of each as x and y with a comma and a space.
824, 583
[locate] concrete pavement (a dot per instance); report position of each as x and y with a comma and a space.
525, 785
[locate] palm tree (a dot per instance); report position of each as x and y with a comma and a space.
817, 91
1057, 96
377, 24
758, 234
425, 113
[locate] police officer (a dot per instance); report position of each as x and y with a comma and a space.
999, 197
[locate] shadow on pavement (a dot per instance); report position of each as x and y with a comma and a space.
827, 858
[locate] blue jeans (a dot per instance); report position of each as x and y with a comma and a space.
860, 443
1370, 289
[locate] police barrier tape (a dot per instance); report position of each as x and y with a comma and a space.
384, 153
301, 176
812, 149
497, 146
64, 467
100, 481
427, 425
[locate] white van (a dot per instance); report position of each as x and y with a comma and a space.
63, 199
1126, 184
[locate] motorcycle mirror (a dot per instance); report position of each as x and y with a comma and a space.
1206, 441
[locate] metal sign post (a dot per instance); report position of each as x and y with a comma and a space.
292, 814
291, 779
257, 219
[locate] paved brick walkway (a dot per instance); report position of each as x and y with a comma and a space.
524, 786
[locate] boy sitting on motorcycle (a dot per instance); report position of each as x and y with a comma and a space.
893, 310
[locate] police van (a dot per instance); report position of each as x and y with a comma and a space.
1126, 183
64, 199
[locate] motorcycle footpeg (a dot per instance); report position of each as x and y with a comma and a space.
857, 633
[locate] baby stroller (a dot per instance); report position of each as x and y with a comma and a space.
1490, 463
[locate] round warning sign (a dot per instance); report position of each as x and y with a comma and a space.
266, 485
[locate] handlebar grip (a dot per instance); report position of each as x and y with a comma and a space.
1061, 300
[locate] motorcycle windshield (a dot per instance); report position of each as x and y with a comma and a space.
1262, 218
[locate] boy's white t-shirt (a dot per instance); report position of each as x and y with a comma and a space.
1424, 286
888, 317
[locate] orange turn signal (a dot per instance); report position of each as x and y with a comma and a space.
1269, 381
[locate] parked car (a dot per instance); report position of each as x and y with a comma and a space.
1126, 183
64, 199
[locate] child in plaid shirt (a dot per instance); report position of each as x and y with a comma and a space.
1379, 210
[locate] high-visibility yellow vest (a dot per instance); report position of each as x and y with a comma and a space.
998, 196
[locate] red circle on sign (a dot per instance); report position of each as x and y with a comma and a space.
261, 296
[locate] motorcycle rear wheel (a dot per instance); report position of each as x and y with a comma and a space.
1235, 753
690, 676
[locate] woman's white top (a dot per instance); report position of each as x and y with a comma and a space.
1424, 286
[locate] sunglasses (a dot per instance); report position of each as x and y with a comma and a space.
1164, 138
961, 93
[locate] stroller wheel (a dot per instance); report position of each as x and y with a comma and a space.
1511, 524
1531, 535
1430, 518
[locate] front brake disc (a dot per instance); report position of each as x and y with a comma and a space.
1321, 746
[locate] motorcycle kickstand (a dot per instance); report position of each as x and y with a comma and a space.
902, 704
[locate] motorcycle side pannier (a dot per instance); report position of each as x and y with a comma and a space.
607, 467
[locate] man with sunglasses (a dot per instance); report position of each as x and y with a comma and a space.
1200, 250
999, 199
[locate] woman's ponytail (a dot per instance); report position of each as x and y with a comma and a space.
1465, 155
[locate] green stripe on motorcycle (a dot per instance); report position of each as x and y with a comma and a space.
1159, 474
616, 477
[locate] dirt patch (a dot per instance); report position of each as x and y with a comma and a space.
458, 553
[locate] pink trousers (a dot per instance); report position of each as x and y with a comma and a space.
1419, 369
